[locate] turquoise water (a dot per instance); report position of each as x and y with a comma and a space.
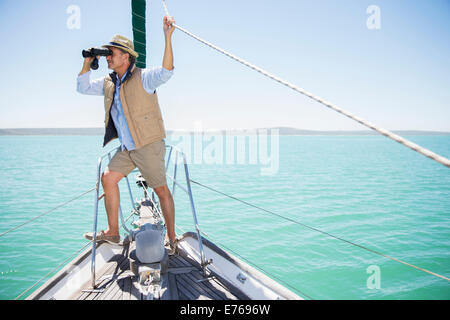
365, 189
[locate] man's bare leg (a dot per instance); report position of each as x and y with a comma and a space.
110, 181
168, 210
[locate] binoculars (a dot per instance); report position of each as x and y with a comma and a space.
95, 52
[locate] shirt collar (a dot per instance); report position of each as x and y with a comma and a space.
126, 76
123, 77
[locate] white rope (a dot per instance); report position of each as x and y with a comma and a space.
387, 133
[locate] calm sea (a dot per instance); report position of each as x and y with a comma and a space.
365, 189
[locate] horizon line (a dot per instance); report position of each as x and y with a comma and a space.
284, 130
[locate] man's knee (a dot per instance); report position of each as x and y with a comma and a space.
111, 178
162, 192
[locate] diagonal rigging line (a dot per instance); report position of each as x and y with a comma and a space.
45, 213
323, 232
258, 267
387, 133
250, 262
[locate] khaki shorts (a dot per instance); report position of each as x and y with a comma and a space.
149, 160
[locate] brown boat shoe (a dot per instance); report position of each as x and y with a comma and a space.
171, 246
102, 237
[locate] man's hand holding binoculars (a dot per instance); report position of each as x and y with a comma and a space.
91, 57
87, 65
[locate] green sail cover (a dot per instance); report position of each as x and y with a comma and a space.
138, 20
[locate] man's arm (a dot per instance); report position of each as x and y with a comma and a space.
168, 53
84, 83
153, 78
86, 65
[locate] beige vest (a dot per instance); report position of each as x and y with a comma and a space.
141, 110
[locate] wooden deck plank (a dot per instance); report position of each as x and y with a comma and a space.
217, 284
119, 293
172, 261
121, 267
198, 288
181, 260
135, 294
110, 291
223, 292
205, 286
81, 296
173, 289
90, 295
96, 295
165, 287
115, 289
126, 288
219, 292
107, 289
183, 290
183, 296
111, 266
189, 285
187, 281
195, 288
93, 295
196, 281
162, 295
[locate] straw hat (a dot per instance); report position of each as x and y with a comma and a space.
123, 43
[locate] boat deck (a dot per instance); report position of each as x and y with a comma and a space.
182, 281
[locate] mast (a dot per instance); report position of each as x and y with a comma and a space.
139, 34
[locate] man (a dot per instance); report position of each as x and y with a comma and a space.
132, 114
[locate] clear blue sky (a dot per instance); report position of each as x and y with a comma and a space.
397, 77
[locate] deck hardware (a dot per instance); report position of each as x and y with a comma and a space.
206, 279
241, 278
206, 263
150, 280
93, 290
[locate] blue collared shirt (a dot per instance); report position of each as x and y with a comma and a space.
151, 79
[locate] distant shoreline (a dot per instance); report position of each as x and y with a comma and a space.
284, 131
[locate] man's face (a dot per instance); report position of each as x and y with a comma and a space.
117, 60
